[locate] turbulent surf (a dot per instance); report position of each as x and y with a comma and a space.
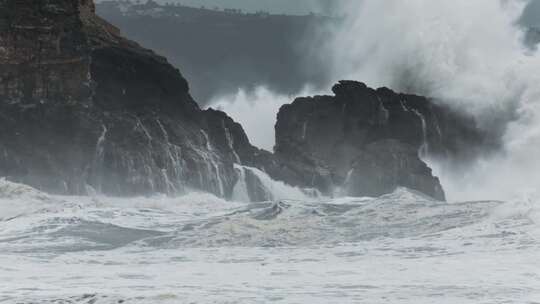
199, 248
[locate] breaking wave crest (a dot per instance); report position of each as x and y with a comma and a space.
32, 221
199, 248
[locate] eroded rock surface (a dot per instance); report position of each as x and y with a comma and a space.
83, 108
368, 142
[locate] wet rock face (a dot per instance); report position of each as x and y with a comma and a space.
41, 43
83, 109
378, 134
384, 165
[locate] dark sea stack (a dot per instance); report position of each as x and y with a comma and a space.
83, 109
368, 142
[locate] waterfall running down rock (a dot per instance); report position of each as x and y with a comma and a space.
344, 189
277, 190
145, 131
174, 161
100, 146
240, 190
230, 143
100, 158
423, 152
212, 164
304, 129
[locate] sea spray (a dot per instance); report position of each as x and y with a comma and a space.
444, 50
274, 190
448, 51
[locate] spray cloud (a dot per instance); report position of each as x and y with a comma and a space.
467, 54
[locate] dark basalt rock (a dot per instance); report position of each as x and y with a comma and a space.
387, 164
81, 108
378, 134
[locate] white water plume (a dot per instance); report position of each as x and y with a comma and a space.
467, 54
257, 111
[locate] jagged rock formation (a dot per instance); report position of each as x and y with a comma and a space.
83, 109
367, 142
81, 106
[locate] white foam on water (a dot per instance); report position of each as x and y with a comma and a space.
398, 248
240, 190
279, 190
17, 199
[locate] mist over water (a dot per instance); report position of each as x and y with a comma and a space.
256, 110
467, 54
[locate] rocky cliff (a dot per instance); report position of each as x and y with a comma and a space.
84, 110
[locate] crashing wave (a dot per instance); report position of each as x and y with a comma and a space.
38, 222
18, 199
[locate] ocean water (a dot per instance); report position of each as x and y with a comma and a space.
399, 248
